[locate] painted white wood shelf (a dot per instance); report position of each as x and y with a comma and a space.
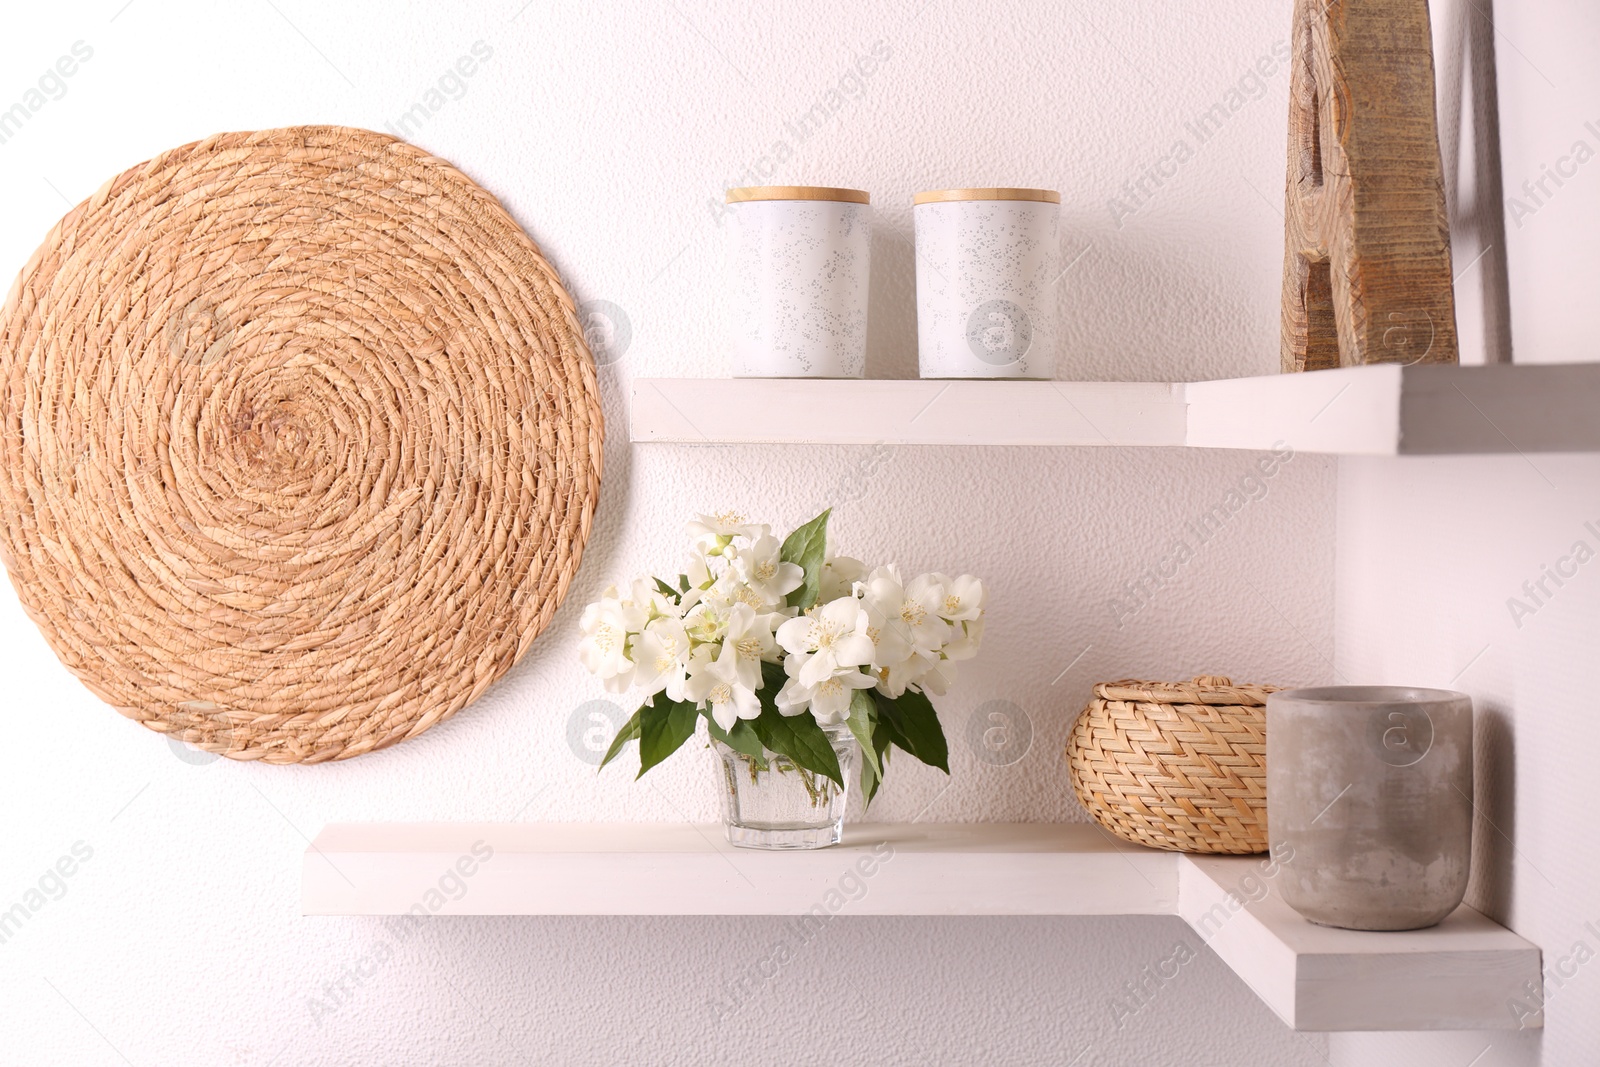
1382, 410
1456, 976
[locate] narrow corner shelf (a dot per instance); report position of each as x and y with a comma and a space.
1379, 410
1456, 976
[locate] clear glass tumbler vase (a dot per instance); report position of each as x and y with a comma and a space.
780, 805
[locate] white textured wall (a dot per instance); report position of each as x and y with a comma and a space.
609, 130
1548, 60
1433, 554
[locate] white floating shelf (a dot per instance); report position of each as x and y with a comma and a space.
1381, 410
910, 412
1459, 975
1456, 976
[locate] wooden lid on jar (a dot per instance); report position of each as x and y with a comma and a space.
1048, 196
795, 192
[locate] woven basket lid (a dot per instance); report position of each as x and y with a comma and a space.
301, 442
1202, 689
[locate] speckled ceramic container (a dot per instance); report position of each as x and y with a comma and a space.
986, 268
1369, 799
799, 259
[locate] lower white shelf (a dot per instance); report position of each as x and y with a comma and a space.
1459, 975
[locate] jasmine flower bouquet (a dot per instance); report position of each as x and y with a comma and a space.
773, 643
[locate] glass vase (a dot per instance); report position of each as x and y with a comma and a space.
780, 805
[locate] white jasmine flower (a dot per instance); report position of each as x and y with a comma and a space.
761, 569
894, 678
714, 684
738, 592
704, 584
793, 698
937, 678
834, 636
966, 645
828, 700
645, 602
661, 658
890, 643
707, 621
604, 648
888, 572
895, 662
964, 597
882, 596
839, 575
750, 636
715, 532
698, 570
906, 617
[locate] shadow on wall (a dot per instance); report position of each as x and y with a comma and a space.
1126, 277
1469, 147
1495, 785
892, 300
1470, 1048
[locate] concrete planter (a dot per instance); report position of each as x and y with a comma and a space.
1369, 789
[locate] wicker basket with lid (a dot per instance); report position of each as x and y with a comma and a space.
1175, 765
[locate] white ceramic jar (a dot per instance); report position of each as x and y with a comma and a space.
799, 259
986, 271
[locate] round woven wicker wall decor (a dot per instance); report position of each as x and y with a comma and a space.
301, 446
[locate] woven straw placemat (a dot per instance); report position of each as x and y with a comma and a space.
302, 442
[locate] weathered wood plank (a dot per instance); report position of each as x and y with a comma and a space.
1367, 276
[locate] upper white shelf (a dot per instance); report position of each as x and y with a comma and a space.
1382, 410
1458, 975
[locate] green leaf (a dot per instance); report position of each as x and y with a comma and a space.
667, 591
628, 733
801, 739
683, 582
742, 738
664, 725
806, 547
773, 678
870, 780
796, 736
863, 719
914, 726
888, 725
863, 722
873, 770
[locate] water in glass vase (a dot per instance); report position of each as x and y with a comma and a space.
781, 806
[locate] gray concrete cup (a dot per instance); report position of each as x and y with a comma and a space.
1369, 793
